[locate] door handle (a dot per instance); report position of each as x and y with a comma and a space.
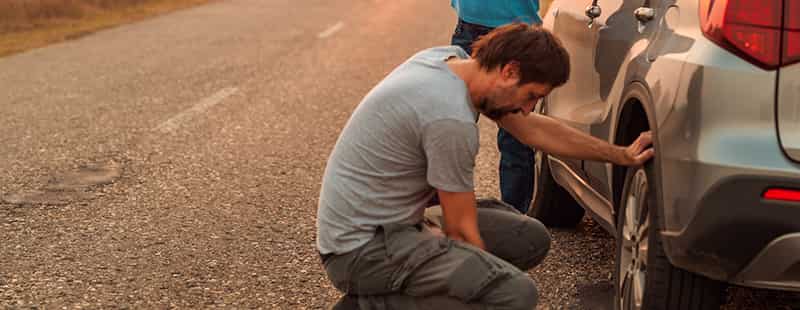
644, 14
593, 11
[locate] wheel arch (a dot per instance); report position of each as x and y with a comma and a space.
635, 115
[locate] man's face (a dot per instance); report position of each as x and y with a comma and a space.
506, 95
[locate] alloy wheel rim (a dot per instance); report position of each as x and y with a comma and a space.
634, 251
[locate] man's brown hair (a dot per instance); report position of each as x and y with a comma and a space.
540, 55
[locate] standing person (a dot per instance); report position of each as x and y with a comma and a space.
414, 135
475, 19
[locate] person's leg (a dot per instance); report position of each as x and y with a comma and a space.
371, 276
520, 240
401, 301
346, 302
516, 171
479, 281
492, 279
409, 260
467, 275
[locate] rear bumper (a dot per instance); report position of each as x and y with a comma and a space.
719, 151
736, 236
776, 266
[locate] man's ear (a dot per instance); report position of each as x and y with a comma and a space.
511, 70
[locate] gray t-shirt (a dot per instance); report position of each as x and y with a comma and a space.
413, 133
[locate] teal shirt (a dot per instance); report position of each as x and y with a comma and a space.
493, 13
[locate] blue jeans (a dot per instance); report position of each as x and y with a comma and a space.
516, 159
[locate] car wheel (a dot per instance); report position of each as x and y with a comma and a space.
552, 204
644, 277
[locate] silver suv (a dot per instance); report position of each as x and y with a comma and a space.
718, 83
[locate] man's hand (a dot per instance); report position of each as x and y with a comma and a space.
638, 152
461, 217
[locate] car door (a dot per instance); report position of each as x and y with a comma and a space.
600, 54
629, 45
578, 33
578, 30
614, 51
579, 102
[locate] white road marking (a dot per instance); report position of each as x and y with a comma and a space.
176, 121
333, 29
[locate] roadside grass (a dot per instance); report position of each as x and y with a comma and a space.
29, 24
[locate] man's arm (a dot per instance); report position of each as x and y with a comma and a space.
554, 137
461, 217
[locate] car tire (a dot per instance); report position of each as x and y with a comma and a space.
644, 277
552, 204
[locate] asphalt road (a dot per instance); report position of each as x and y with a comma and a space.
176, 162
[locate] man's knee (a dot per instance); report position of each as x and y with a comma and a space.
538, 239
518, 239
493, 203
517, 293
484, 279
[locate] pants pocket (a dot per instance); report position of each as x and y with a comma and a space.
477, 274
411, 248
373, 272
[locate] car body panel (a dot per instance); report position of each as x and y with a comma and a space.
621, 55
713, 116
789, 110
582, 191
657, 67
772, 267
577, 106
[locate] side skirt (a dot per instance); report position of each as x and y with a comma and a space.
597, 206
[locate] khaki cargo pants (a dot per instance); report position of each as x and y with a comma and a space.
410, 267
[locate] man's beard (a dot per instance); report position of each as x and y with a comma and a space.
488, 108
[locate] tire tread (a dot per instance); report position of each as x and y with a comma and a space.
672, 288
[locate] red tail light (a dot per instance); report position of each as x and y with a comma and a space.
791, 32
763, 32
782, 194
